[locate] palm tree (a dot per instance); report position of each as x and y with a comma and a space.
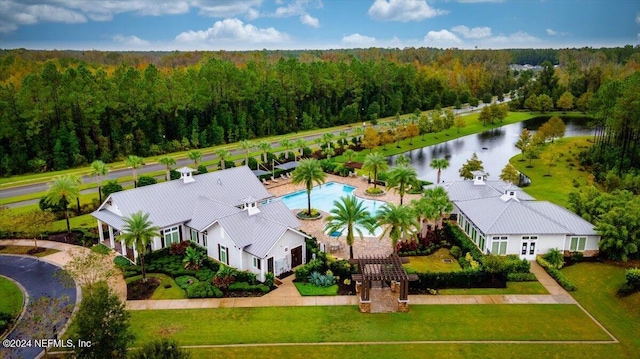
62, 191
439, 164
399, 221
223, 155
439, 199
78, 181
357, 132
308, 172
424, 210
347, 213
327, 137
342, 139
375, 162
286, 143
264, 146
99, 169
301, 144
138, 231
403, 160
329, 151
195, 156
349, 155
134, 162
246, 146
167, 161
400, 177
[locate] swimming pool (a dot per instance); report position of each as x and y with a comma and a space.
322, 198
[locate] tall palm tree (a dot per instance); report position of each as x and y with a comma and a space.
342, 139
264, 146
400, 177
223, 155
134, 162
78, 181
439, 199
286, 143
346, 214
301, 144
138, 231
424, 210
398, 221
62, 191
327, 138
349, 155
167, 161
358, 132
375, 162
99, 169
246, 146
329, 151
195, 156
439, 164
308, 172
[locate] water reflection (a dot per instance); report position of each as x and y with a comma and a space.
494, 147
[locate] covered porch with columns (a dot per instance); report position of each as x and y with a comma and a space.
109, 239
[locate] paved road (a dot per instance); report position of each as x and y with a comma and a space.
154, 167
37, 278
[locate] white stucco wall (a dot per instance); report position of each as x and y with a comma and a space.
289, 240
217, 235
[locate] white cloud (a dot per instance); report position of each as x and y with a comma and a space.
638, 18
357, 40
232, 31
551, 32
403, 10
309, 20
516, 40
474, 33
132, 41
443, 38
479, 1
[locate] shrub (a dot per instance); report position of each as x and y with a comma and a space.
269, 278
202, 169
224, 277
554, 258
304, 272
121, 262
372, 190
322, 280
556, 274
633, 277
178, 249
146, 181
460, 279
456, 252
205, 274
513, 264
521, 277
246, 287
458, 238
246, 276
340, 269
577, 257
5, 321
186, 281
203, 290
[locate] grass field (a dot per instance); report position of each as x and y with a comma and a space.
565, 177
11, 299
433, 262
24, 249
307, 289
512, 288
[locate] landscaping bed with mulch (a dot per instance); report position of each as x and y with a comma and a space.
141, 290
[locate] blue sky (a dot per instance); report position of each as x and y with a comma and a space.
316, 24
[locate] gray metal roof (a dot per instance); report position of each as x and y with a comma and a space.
570, 220
109, 218
173, 202
467, 190
206, 212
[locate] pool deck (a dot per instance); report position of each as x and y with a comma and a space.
369, 245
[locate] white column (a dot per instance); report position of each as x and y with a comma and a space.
100, 233
124, 248
111, 239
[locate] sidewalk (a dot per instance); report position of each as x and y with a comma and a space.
288, 296
61, 258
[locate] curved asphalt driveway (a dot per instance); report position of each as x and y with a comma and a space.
37, 278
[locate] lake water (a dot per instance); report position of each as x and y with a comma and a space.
493, 147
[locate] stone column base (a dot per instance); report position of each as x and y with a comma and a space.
365, 306
403, 306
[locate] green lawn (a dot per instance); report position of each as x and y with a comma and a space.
11, 299
512, 288
565, 177
347, 324
433, 262
174, 292
24, 249
307, 289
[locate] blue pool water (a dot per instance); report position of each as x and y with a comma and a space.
322, 198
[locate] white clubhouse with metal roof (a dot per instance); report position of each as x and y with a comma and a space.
227, 212
502, 219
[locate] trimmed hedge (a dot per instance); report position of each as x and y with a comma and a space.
186, 281
461, 279
557, 275
458, 238
203, 290
246, 287
521, 277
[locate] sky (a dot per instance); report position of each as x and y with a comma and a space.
184, 25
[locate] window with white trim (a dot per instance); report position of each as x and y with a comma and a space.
578, 244
169, 236
194, 236
257, 263
499, 245
224, 255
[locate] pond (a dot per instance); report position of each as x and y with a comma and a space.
494, 148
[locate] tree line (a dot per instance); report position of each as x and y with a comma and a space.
59, 111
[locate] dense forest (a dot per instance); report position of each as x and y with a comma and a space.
60, 109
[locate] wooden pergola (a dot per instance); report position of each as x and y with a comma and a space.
382, 269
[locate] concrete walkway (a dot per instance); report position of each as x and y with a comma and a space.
62, 257
288, 296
